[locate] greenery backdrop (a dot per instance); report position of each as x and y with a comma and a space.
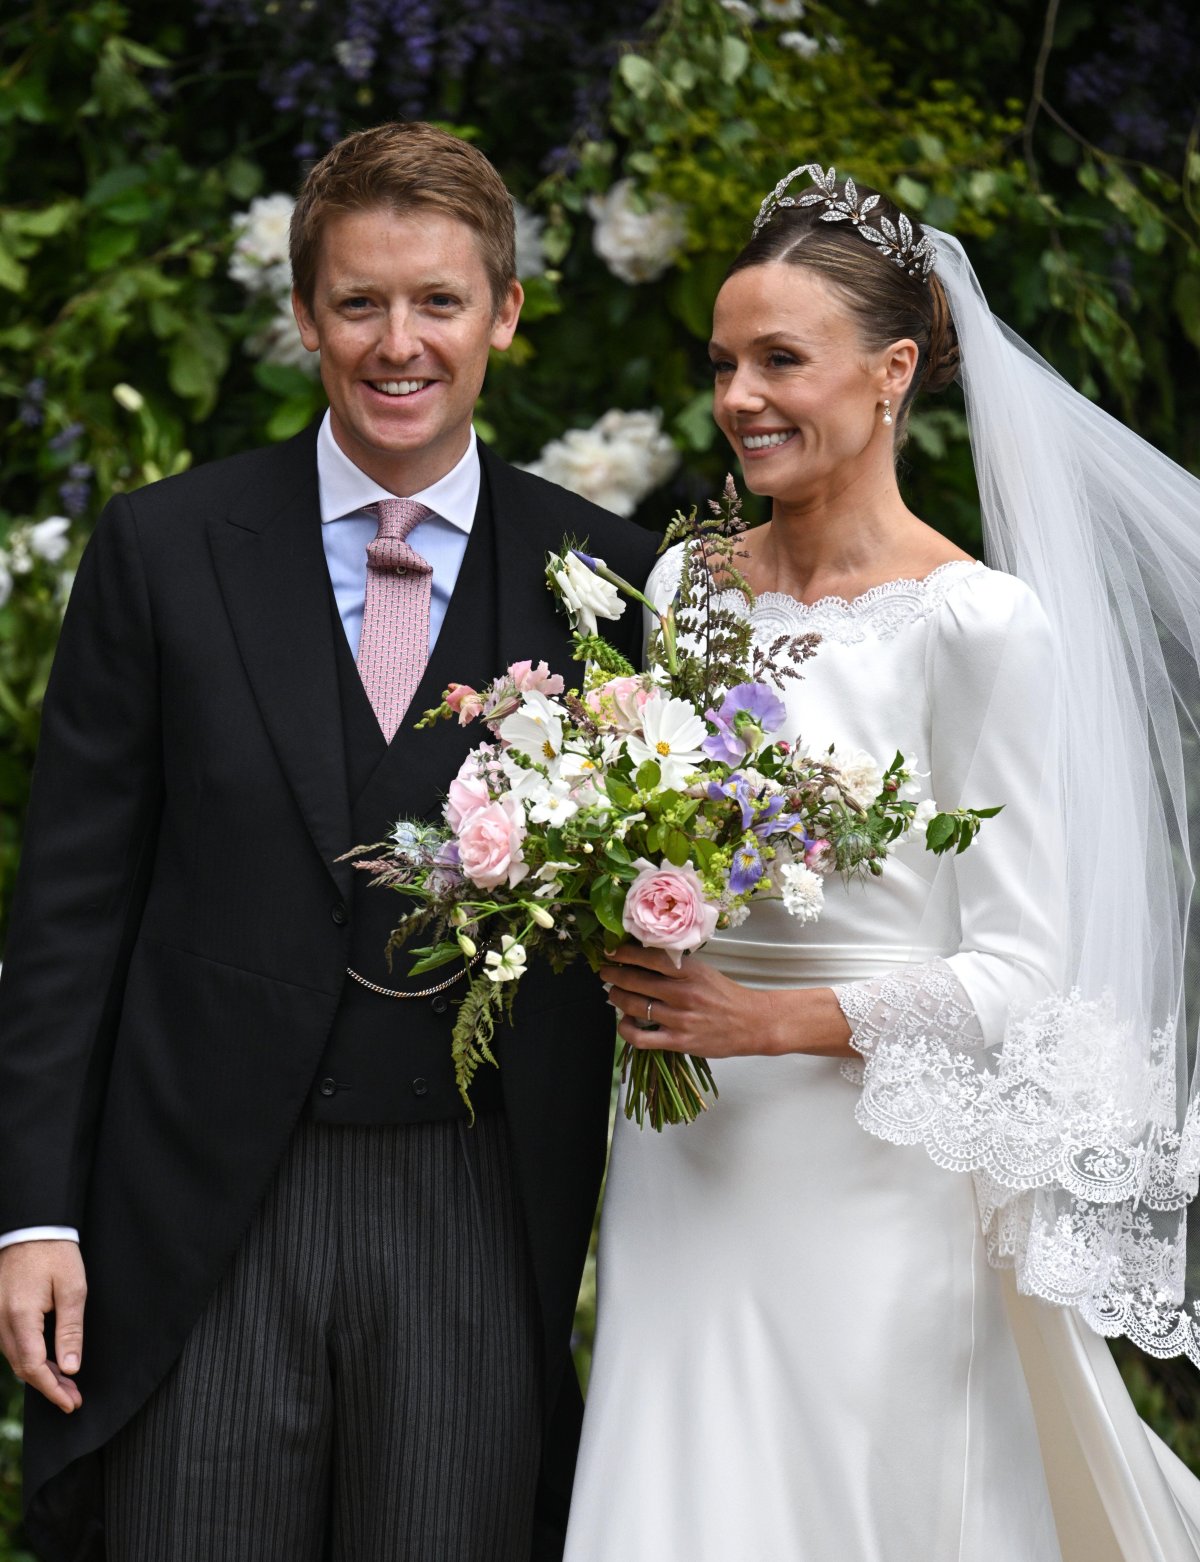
148, 153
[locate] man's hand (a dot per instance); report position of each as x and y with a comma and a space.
37, 1278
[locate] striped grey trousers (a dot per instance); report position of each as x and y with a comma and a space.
364, 1385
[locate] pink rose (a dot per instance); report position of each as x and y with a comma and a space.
489, 844
618, 703
466, 794
526, 676
464, 701
666, 909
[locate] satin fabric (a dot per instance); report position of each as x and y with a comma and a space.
802, 1352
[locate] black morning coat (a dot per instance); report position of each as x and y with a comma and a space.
180, 936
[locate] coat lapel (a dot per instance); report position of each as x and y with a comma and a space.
274, 580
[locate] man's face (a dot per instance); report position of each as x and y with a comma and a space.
404, 318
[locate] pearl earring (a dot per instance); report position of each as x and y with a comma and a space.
887, 413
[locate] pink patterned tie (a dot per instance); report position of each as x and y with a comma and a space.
394, 646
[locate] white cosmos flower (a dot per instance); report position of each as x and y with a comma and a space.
578, 764
507, 964
588, 598
535, 730
803, 891
551, 803
671, 736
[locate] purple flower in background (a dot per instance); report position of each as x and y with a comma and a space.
65, 437
748, 714
30, 413
77, 489
747, 868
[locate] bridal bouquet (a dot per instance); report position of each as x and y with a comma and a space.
653, 805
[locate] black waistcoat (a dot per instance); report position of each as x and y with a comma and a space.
388, 1059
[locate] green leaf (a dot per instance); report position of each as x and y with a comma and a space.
106, 246
243, 179
940, 831
290, 417
735, 56
622, 796
13, 275
910, 192
694, 424
648, 776
46, 222
638, 75
678, 848
1185, 298
608, 901
198, 357
439, 955
117, 181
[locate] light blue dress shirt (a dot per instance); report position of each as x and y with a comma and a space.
441, 539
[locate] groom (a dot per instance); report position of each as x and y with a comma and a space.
325, 1317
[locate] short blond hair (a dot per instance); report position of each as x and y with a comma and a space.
402, 167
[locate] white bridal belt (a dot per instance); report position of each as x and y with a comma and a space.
771, 964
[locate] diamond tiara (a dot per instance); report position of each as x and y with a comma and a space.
897, 241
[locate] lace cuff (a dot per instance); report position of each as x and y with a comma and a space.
1052, 1104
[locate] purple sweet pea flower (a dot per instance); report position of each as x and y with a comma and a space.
748, 713
746, 869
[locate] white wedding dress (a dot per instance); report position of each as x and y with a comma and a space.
803, 1353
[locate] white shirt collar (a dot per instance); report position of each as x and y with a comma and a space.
345, 489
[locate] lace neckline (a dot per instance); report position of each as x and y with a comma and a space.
905, 585
877, 613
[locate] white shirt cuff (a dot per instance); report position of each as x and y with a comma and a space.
40, 1234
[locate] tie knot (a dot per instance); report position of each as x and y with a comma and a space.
397, 517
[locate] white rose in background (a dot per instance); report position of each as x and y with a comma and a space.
531, 258
781, 10
48, 539
615, 463
800, 43
260, 263
279, 341
260, 250
637, 239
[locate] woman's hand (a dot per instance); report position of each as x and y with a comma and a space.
698, 1010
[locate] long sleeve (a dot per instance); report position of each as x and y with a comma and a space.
92, 823
982, 1056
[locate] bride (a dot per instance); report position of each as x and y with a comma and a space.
819, 1340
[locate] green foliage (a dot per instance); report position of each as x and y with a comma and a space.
131, 136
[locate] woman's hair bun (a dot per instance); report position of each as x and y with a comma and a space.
942, 356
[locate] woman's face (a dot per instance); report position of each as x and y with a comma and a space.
796, 393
